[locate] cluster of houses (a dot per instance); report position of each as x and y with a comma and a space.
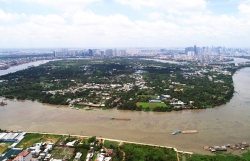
38, 152
102, 155
103, 87
42, 151
101, 91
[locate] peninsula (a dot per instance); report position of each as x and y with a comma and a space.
125, 84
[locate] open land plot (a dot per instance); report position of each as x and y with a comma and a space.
62, 153
4, 146
31, 138
150, 104
110, 144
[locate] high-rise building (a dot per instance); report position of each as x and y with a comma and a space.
187, 49
102, 53
195, 50
90, 52
109, 52
123, 52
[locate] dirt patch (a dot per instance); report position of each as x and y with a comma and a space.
2, 144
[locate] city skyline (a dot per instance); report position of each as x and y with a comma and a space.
124, 23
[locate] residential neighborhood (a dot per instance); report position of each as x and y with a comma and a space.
65, 148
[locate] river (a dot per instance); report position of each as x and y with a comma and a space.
218, 126
13, 69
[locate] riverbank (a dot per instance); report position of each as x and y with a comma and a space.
120, 141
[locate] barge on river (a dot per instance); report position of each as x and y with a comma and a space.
122, 119
189, 131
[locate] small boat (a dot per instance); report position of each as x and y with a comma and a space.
213, 150
176, 132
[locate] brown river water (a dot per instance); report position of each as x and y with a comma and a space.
227, 124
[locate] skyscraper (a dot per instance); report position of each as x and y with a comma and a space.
195, 50
90, 52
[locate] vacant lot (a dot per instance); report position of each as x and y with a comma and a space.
64, 153
30, 139
4, 146
150, 105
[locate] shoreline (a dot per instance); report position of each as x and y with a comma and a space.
117, 140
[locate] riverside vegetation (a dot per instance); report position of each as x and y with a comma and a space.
125, 84
120, 150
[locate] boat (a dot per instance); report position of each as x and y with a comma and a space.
123, 119
176, 132
3, 103
218, 148
189, 131
215, 148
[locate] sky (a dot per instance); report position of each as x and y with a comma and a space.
124, 23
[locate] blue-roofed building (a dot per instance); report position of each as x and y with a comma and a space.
10, 153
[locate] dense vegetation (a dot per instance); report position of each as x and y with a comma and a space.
57, 82
135, 152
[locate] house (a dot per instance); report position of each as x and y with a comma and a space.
163, 97
71, 143
178, 90
10, 137
78, 155
177, 103
109, 152
23, 156
155, 100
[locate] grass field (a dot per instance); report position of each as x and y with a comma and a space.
151, 96
79, 106
110, 144
4, 146
64, 153
151, 105
30, 139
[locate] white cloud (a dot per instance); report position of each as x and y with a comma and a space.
155, 15
244, 9
185, 23
88, 29
8, 16
137, 4
47, 19
65, 5
176, 6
